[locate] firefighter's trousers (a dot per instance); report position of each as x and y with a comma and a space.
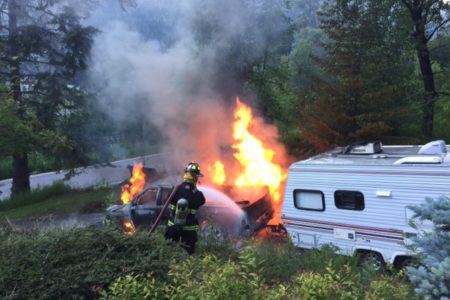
188, 238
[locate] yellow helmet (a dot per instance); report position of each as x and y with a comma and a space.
193, 169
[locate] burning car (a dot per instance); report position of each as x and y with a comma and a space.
220, 214
243, 186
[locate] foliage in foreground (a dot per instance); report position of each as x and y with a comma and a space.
248, 277
432, 277
100, 262
77, 263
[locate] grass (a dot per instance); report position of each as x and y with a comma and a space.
55, 199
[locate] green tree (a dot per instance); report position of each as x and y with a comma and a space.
366, 75
281, 74
440, 56
427, 18
44, 48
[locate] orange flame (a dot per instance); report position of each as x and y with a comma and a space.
128, 227
137, 183
255, 159
218, 173
259, 170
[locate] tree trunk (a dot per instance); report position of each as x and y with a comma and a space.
430, 95
21, 173
423, 54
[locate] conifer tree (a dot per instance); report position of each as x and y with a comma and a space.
44, 47
432, 276
366, 74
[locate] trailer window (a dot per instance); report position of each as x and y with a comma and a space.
351, 200
309, 200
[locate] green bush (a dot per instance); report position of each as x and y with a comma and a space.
77, 263
330, 285
278, 262
387, 288
248, 277
207, 277
318, 260
5, 167
37, 163
100, 262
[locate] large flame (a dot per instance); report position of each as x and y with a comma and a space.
137, 183
256, 166
218, 173
256, 160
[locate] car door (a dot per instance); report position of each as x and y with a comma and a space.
145, 208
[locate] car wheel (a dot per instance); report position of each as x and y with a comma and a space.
372, 260
107, 221
210, 232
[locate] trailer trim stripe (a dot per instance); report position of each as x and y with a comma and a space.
367, 228
358, 233
299, 170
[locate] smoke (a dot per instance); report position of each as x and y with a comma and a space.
179, 66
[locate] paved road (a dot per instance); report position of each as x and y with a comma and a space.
89, 176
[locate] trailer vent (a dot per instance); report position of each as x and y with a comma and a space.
363, 148
433, 148
419, 160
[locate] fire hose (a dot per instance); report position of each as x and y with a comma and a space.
158, 219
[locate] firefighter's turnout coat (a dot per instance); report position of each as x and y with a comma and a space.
187, 230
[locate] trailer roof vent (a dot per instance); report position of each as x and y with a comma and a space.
433, 148
419, 160
447, 159
363, 148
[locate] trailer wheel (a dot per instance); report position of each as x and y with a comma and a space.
405, 261
107, 221
372, 260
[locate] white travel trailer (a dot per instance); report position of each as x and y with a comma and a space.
356, 198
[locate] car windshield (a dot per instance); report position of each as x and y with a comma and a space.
165, 193
148, 197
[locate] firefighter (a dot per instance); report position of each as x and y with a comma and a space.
183, 224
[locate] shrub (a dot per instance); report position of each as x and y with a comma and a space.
77, 263
207, 277
278, 262
212, 278
5, 167
387, 288
134, 287
432, 277
330, 285
319, 260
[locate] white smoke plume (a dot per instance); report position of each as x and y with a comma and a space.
173, 63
